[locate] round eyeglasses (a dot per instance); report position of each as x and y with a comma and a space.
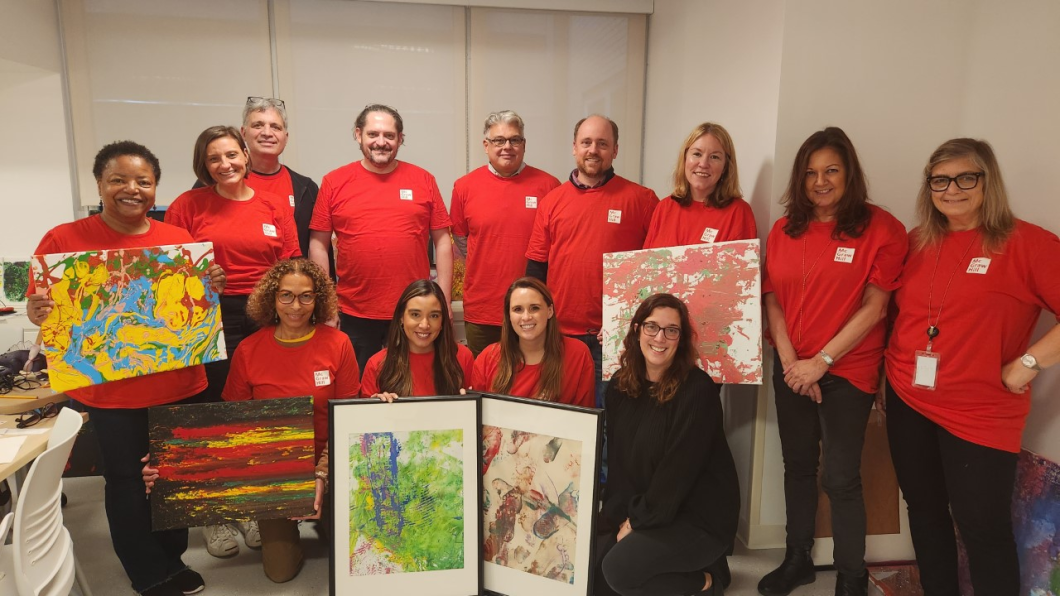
652, 330
288, 298
966, 181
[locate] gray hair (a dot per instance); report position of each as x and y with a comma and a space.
260, 104
503, 117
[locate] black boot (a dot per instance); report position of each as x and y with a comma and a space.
720, 571
796, 570
852, 585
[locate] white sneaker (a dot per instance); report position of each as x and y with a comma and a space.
220, 540
251, 535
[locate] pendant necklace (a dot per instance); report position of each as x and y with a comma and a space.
806, 276
933, 328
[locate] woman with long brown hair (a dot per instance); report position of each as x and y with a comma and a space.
533, 359
672, 496
421, 356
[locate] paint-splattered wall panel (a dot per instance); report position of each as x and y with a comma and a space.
232, 461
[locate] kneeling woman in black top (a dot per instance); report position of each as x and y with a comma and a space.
672, 489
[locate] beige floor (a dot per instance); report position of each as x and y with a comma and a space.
241, 575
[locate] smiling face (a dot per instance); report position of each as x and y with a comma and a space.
264, 134
127, 189
226, 161
379, 141
422, 322
594, 148
705, 163
529, 314
825, 182
961, 207
507, 159
658, 351
295, 318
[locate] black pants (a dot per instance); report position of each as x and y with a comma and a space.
838, 425
149, 558
940, 475
237, 327
667, 561
368, 336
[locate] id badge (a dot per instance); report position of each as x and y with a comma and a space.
927, 369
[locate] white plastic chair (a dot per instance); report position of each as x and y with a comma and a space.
40, 560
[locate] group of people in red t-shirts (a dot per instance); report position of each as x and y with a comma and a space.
840, 274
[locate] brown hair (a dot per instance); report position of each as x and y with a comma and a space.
261, 305
633, 373
512, 360
853, 213
728, 188
198, 159
395, 376
996, 220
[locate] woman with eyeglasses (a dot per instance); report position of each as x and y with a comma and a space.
291, 355
960, 364
672, 498
706, 203
831, 264
421, 356
250, 231
533, 359
127, 176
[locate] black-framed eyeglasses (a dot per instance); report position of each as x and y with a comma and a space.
269, 100
502, 141
28, 419
305, 298
652, 330
966, 181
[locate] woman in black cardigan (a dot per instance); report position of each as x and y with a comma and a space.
672, 490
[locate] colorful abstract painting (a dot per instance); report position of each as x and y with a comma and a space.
129, 312
406, 501
720, 283
1036, 524
530, 499
232, 461
14, 279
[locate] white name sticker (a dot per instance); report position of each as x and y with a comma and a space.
531, 202
979, 265
709, 234
406, 194
844, 255
614, 216
269, 230
291, 197
322, 378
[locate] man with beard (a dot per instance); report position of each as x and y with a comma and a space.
382, 211
594, 212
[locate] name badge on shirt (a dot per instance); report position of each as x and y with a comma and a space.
291, 197
406, 194
979, 265
322, 378
844, 255
614, 216
269, 230
927, 369
531, 202
709, 234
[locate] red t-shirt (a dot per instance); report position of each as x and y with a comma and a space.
837, 272
986, 322
497, 216
167, 387
674, 225
324, 367
383, 224
579, 376
278, 184
248, 236
422, 366
573, 230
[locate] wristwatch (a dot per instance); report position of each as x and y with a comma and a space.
1030, 361
827, 359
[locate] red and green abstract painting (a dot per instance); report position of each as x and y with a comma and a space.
231, 461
